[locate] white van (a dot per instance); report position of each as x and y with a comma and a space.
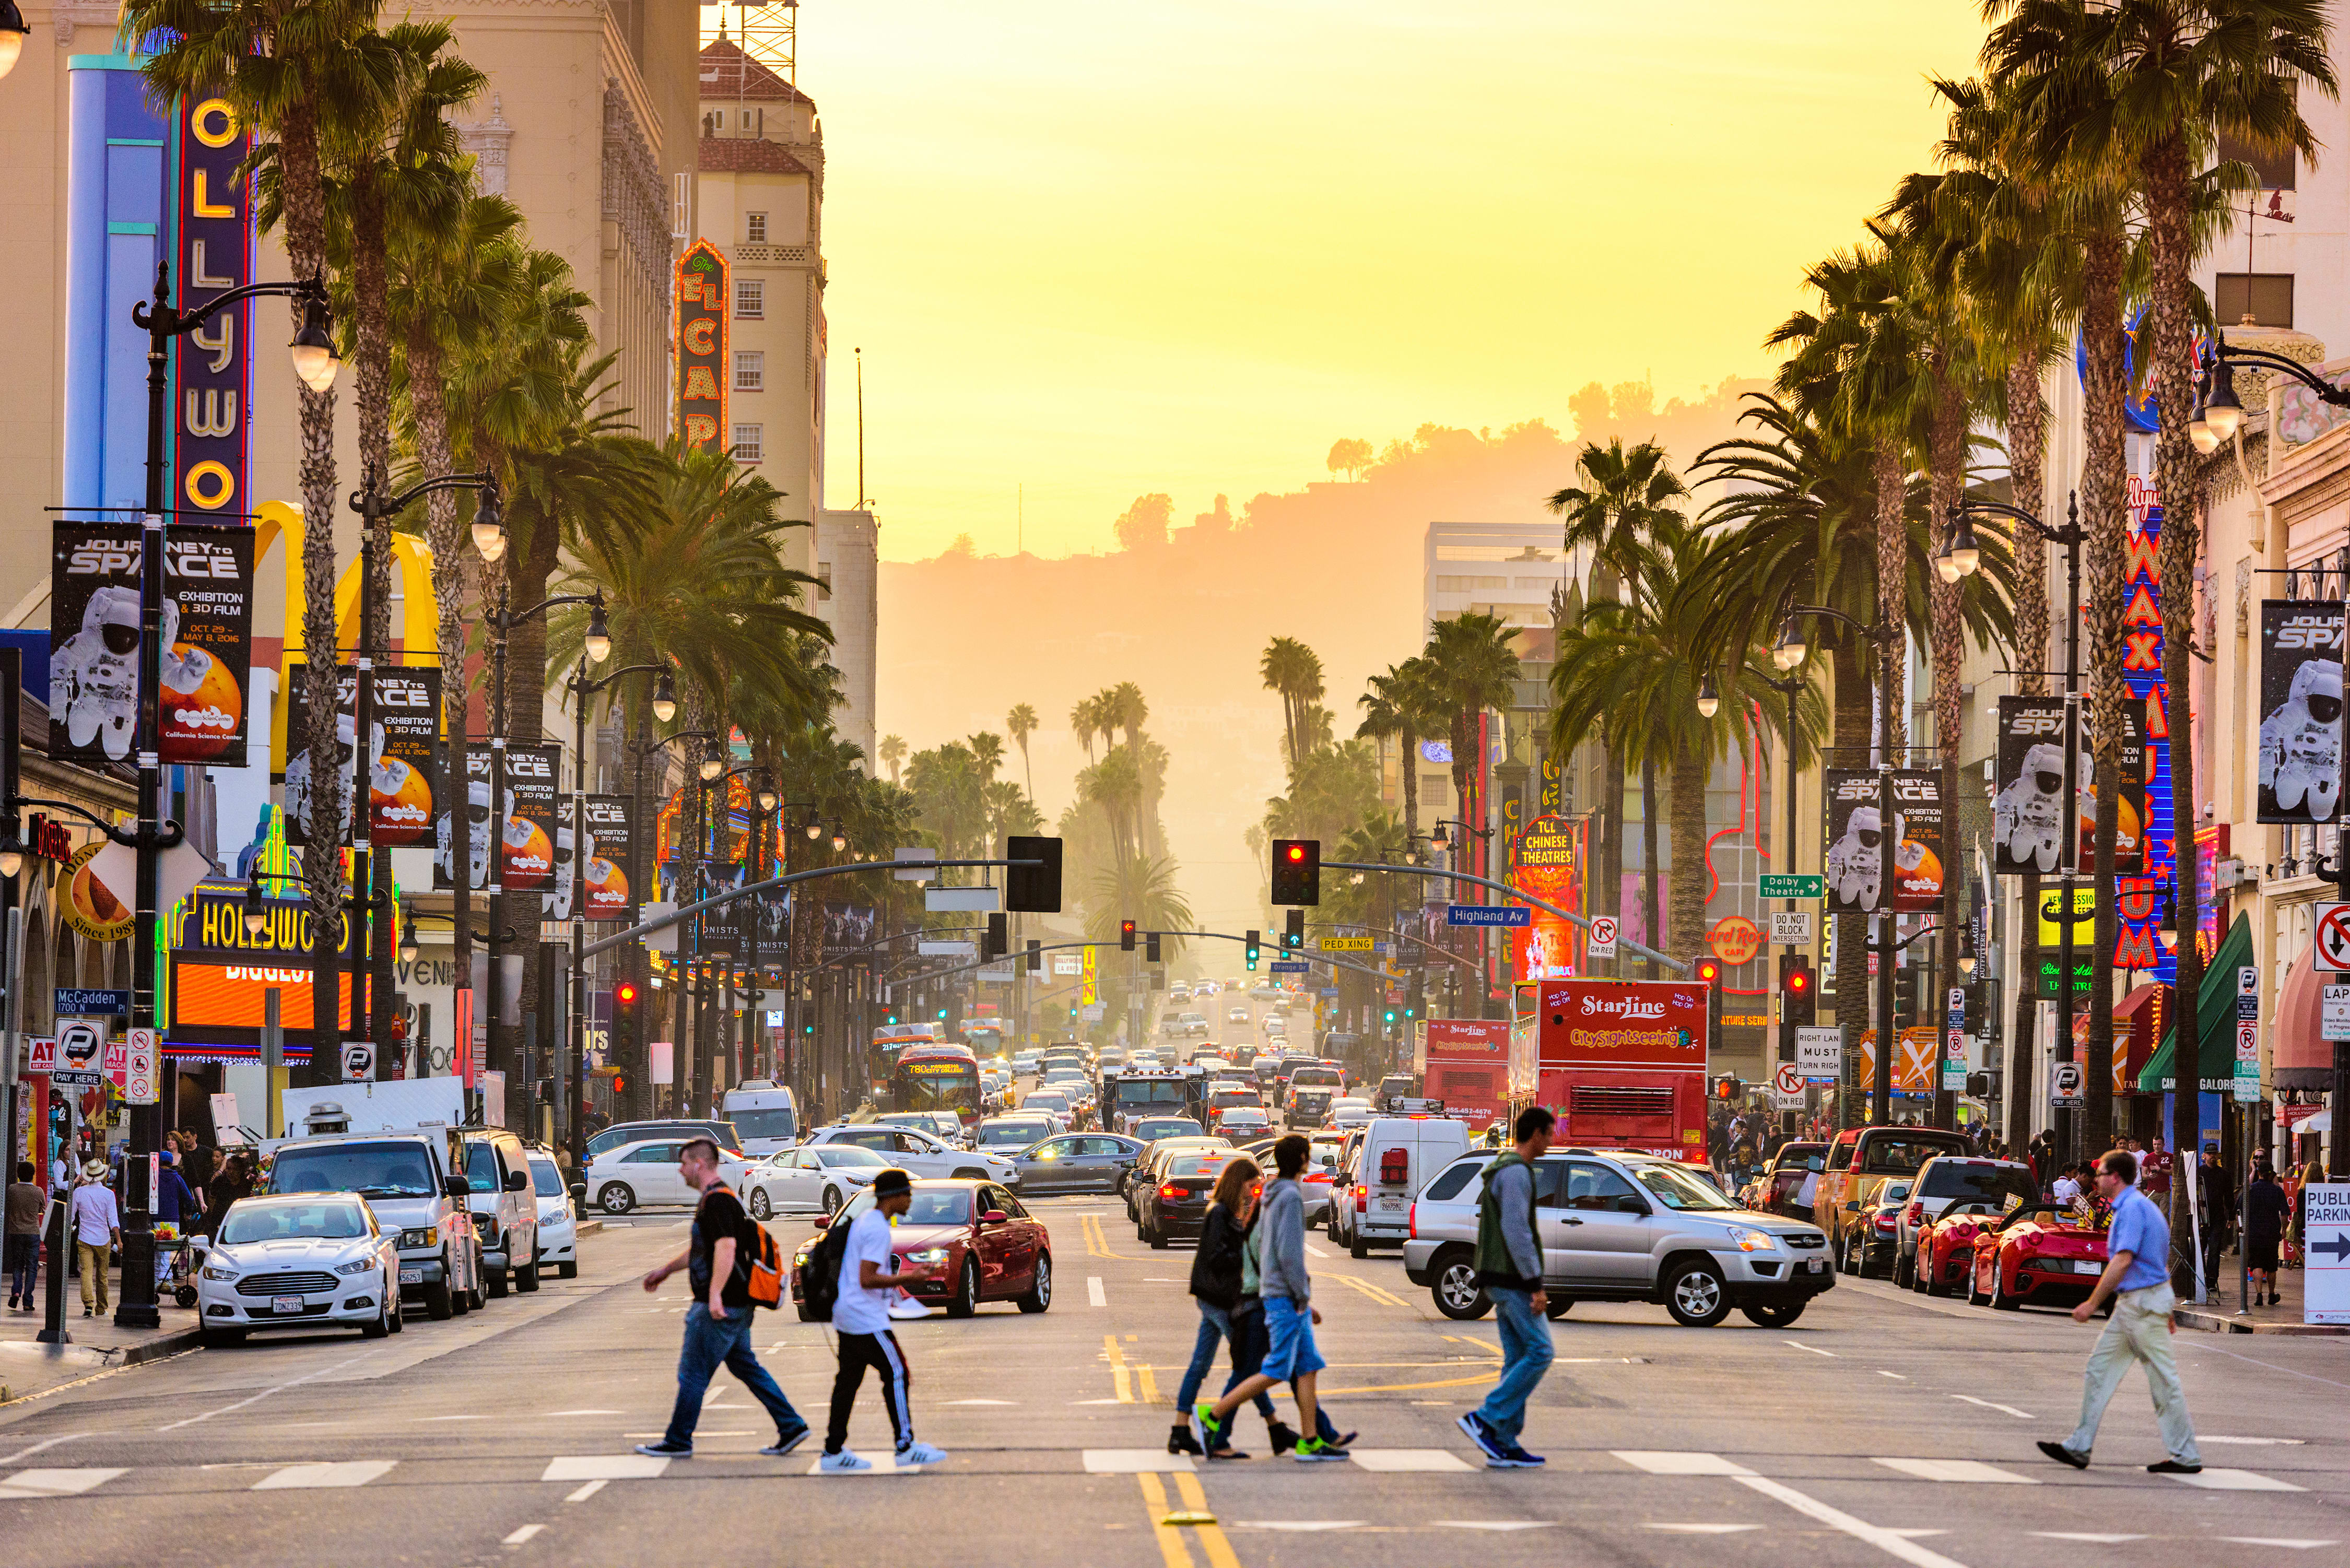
767, 1118
1399, 1155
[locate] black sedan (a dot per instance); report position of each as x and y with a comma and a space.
1177, 1205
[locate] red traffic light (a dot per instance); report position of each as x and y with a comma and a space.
1296, 853
1799, 980
625, 992
1708, 972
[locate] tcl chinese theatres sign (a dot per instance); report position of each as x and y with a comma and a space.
1623, 1024
701, 335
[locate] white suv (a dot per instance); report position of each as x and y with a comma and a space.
918, 1153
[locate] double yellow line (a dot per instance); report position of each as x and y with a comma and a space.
1132, 1383
1090, 1226
1379, 1293
1169, 1525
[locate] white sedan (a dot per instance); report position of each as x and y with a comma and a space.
916, 1153
558, 1224
635, 1175
308, 1260
811, 1178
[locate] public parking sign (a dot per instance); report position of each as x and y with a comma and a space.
2325, 1285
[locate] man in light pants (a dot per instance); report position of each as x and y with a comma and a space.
2137, 1253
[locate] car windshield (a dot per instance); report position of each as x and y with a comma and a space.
1166, 1127
765, 1121
1983, 1183
847, 1154
931, 1206
1047, 1102
1792, 1158
372, 1169
481, 1168
1675, 1189
1011, 1135
1901, 1156
546, 1178
285, 1221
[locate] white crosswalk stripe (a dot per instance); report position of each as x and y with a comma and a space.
1669, 1463
1957, 1471
1135, 1461
603, 1467
2220, 1479
299, 1477
1437, 1460
53, 1483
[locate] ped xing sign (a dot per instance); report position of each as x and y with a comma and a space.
1487, 915
1345, 944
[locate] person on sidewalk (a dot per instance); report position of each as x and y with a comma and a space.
1290, 1316
717, 1263
860, 1324
1217, 1285
2265, 1209
26, 1205
1510, 1267
98, 1230
2137, 1266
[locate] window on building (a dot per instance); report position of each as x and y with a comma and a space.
750, 443
2261, 298
2274, 170
750, 371
755, 228
750, 299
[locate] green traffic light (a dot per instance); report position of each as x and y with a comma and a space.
943, 1012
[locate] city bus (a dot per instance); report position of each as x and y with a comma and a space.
933, 1076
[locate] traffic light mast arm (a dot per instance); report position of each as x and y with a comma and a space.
1056, 947
1677, 965
686, 912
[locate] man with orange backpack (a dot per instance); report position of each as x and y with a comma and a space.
729, 1249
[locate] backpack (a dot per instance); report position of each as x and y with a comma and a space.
765, 1263
820, 1274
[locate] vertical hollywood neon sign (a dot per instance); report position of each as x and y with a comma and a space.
2138, 901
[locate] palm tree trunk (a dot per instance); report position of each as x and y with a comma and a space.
372, 395
2166, 174
447, 542
1687, 781
1851, 724
1410, 766
1651, 899
2027, 433
1946, 475
1892, 587
525, 716
2106, 509
1615, 781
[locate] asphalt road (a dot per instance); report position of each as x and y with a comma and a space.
1880, 1427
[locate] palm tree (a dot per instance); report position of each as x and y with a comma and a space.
1472, 667
1082, 719
893, 750
1140, 888
1401, 703
1126, 710
1020, 723
1294, 671
987, 751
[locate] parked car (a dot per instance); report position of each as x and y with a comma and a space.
1077, 1162
919, 1153
1624, 1228
945, 1125
298, 1260
415, 1185
1788, 1179
620, 1133
1944, 1263
505, 1208
2040, 1255
810, 1179
1862, 1159
1011, 1133
765, 1115
645, 1175
1397, 1156
1949, 1180
558, 1225
1176, 1204
987, 1246
1869, 1248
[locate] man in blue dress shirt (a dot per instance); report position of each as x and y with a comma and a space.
2137, 1254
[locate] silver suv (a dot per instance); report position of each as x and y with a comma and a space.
1624, 1228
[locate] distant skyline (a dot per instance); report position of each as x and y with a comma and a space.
1103, 252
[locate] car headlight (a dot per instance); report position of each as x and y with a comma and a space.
428, 1237
928, 1255
356, 1266
217, 1272
1753, 1241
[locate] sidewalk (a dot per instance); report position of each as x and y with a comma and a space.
28, 1367
2220, 1315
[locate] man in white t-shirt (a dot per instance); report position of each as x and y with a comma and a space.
98, 1230
860, 1324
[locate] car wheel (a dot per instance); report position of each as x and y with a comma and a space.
615, 1198
1559, 1306
1999, 1300
499, 1284
381, 1327
1157, 1239
440, 1303
567, 1271
1696, 1294
1976, 1296
1357, 1247
967, 1296
1455, 1288
1773, 1314
833, 1200
1040, 1289
761, 1206
968, 1174
460, 1302
222, 1338
1905, 1271
1934, 1282
527, 1280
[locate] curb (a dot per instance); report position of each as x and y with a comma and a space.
114, 1358
2211, 1322
588, 1228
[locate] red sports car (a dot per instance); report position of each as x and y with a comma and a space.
1945, 1247
2039, 1254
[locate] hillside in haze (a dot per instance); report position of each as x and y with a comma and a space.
1185, 611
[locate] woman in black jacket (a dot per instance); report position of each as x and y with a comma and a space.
1224, 1283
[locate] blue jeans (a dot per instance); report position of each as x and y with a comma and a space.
1525, 1356
23, 1256
1217, 1325
710, 1342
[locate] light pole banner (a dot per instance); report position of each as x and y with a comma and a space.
403, 753
605, 859
1856, 840
2027, 832
2301, 711
526, 863
94, 631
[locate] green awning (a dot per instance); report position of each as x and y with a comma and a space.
2215, 1012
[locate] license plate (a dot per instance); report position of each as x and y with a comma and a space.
1390, 1202
411, 1276
1815, 1266
2087, 1266
285, 1304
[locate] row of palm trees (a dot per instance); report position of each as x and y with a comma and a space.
471, 350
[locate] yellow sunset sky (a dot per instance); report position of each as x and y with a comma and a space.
1103, 249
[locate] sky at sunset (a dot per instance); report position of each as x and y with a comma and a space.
1102, 250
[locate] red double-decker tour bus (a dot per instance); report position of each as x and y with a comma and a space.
1621, 1062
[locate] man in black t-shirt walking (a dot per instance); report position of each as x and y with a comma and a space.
718, 1325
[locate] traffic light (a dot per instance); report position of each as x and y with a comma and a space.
1292, 938
1904, 993
1150, 948
1296, 870
624, 1018
1799, 1000
1126, 936
1252, 952
942, 1016
1035, 956
1033, 889
1708, 974
999, 935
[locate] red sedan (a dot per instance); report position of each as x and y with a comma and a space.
2039, 1254
1946, 1248
987, 1246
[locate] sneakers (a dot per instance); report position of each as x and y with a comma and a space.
665, 1450
2065, 1455
1314, 1450
1207, 1431
847, 1462
1489, 1442
2173, 1468
786, 1442
1180, 1440
922, 1454
1517, 1458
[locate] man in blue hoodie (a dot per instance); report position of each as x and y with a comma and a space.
1510, 1267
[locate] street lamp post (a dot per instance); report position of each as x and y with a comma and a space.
1789, 653
1709, 703
314, 360
1963, 557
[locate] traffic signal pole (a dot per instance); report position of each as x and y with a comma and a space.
1678, 966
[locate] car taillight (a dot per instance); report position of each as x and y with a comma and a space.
1170, 1192
1916, 1216
1362, 1202
1412, 1227
1885, 1223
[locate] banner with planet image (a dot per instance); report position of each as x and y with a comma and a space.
603, 861
2026, 814
403, 753
94, 636
533, 820
1857, 840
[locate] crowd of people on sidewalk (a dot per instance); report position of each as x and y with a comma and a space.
194, 1185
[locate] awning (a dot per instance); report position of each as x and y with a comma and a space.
2299, 1056
2139, 1020
2215, 1018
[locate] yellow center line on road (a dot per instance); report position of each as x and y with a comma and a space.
1170, 1540
1488, 1346
1121, 1380
1211, 1534
1096, 1243
1384, 1297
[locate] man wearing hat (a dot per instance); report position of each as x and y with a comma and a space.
860, 1322
98, 1230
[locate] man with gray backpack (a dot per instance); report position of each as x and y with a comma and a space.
1510, 1267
